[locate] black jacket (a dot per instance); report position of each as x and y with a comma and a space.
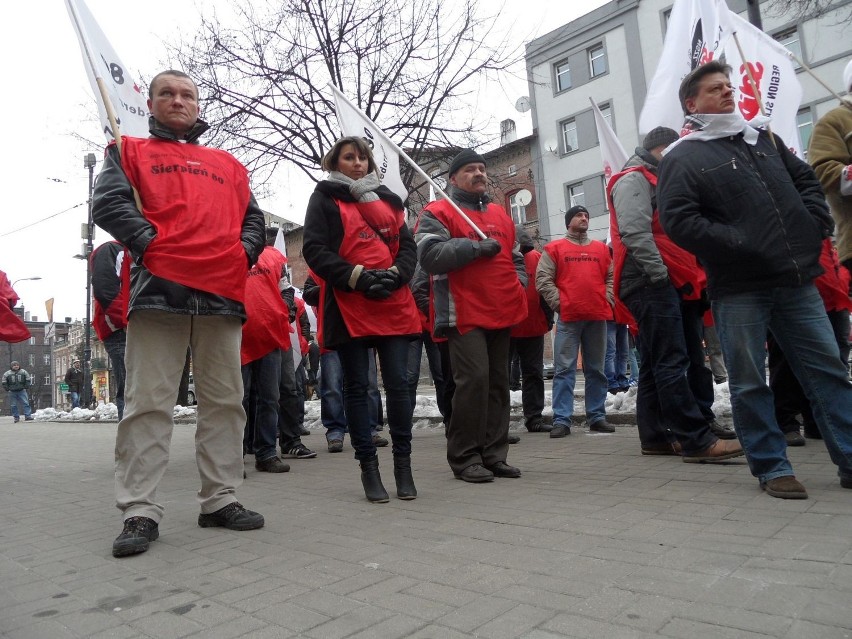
755, 216
323, 236
114, 210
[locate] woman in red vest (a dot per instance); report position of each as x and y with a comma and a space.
357, 243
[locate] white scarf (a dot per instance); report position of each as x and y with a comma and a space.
712, 126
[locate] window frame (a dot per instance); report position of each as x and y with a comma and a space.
514, 207
591, 59
563, 139
558, 75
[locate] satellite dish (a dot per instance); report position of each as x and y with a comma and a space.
523, 197
523, 104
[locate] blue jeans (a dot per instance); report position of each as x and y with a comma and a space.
797, 319
260, 401
355, 361
570, 337
666, 408
332, 413
75, 399
19, 399
115, 345
617, 350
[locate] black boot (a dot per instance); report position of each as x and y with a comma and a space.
404, 481
372, 481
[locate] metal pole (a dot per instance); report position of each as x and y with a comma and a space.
85, 392
754, 13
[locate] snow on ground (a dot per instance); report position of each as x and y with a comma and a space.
426, 414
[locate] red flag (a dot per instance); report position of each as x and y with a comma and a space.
12, 327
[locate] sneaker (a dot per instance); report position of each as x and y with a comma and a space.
303, 432
602, 426
721, 430
379, 441
28, 419
271, 465
136, 536
335, 445
846, 481
17, 420
514, 439
560, 430
794, 438
300, 451
233, 517
785, 487
538, 426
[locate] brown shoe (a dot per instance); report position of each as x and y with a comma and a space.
663, 449
785, 487
720, 451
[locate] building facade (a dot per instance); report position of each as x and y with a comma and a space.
609, 56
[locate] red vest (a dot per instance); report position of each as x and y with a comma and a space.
300, 311
110, 261
267, 325
580, 277
535, 323
833, 284
371, 238
486, 292
682, 265
196, 198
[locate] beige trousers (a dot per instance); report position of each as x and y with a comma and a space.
156, 350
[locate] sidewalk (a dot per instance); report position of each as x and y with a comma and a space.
594, 540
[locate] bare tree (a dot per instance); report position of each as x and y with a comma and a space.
811, 9
407, 65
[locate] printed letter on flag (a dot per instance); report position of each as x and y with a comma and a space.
696, 33
354, 122
101, 61
774, 74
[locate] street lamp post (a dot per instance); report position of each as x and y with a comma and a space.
89, 162
21, 279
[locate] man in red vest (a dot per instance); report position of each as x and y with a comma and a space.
574, 277
193, 233
477, 295
662, 284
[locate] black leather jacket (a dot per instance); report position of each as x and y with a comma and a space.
115, 211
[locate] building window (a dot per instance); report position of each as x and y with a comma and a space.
597, 61
563, 76
518, 210
805, 125
31, 359
603, 190
32, 341
513, 170
47, 359
576, 196
790, 39
606, 112
667, 16
47, 380
569, 136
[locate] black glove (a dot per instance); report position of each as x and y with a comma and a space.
371, 285
390, 279
488, 247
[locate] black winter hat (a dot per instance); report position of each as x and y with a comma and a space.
660, 136
466, 156
570, 213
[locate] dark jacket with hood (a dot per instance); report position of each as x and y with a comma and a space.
754, 216
114, 210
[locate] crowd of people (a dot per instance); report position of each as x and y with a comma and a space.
720, 231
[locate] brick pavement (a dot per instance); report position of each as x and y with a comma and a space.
594, 541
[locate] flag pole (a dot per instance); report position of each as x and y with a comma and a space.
817, 78
754, 86
113, 123
413, 164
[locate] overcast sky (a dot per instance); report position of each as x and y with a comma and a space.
48, 100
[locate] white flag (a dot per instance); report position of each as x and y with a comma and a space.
696, 33
774, 74
280, 244
612, 152
353, 122
101, 61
